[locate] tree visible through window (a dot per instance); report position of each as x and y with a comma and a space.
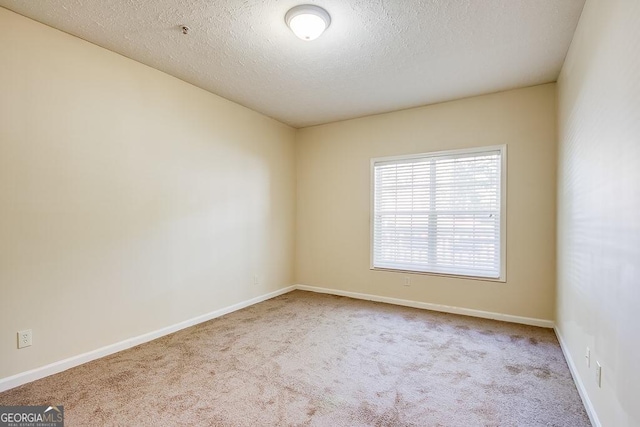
440, 213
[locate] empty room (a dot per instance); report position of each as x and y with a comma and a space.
320, 213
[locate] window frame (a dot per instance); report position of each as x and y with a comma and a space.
503, 209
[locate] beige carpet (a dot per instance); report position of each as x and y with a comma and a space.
320, 360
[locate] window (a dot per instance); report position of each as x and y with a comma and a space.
440, 213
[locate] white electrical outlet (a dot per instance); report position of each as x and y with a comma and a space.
598, 374
407, 281
24, 338
588, 357
256, 280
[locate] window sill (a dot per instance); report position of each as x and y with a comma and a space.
453, 276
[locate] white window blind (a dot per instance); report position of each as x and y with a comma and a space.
439, 213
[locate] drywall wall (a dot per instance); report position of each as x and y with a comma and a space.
129, 200
599, 207
333, 203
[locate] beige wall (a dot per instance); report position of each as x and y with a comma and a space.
129, 200
599, 206
333, 166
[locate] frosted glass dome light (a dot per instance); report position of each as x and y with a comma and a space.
307, 21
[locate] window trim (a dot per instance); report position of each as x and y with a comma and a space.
503, 209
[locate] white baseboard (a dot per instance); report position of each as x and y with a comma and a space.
591, 412
435, 307
62, 365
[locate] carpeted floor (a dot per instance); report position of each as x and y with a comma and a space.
320, 360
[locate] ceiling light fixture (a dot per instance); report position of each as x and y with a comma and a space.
307, 21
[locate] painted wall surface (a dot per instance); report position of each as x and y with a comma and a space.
129, 200
599, 206
333, 210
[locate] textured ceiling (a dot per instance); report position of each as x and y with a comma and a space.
377, 55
